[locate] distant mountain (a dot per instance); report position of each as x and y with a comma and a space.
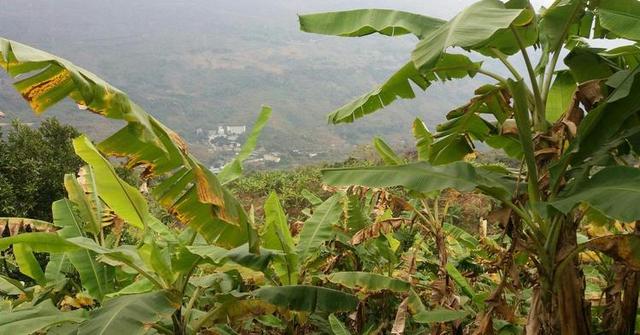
199, 64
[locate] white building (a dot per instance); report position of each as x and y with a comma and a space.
271, 158
236, 130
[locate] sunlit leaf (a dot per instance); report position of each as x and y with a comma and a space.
361, 22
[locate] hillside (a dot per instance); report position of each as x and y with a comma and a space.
207, 64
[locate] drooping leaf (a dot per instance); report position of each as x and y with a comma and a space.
510, 144
621, 17
337, 327
361, 22
504, 40
39, 242
318, 228
235, 310
614, 191
233, 170
137, 287
240, 255
368, 281
27, 320
586, 64
189, 191
421, 177
473, 26
129, 314
307, 298
622, 82
123, 255
399, 86
278, 237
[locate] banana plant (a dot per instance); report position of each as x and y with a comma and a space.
181, 184
160, 282
570, 126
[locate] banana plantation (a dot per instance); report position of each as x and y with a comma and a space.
558, 253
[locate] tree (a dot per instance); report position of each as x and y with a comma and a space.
33, 163
571, 127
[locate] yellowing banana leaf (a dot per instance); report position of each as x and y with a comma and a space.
14, 226
622, 248
124, 199
195, 196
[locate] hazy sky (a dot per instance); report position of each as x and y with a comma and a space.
210, 53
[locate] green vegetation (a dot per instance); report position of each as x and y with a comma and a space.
438, 242
292, 186
32, 165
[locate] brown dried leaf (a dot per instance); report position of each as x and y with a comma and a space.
590, 92
509, 127
207, 193
377, 229
499, 215
623, 248
14, 226
401, 318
